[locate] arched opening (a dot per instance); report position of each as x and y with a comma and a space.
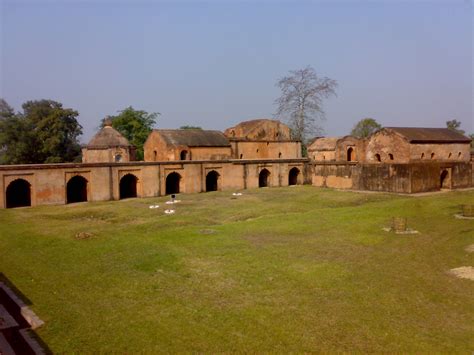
172, 183
183, 155
128, 186
459, 155
18, 194
432, 155
263, 178
279, 155
445, 179
212, 181
450, 155
155, 154
76, 189
118, 158
377, 157
350, 154
241, 156
422, 155
390, 156
293, 176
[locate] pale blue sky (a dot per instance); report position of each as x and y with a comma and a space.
214, 64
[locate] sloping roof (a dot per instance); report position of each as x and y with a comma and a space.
434, 135
248, 126
193, 137
326, 143
108, 137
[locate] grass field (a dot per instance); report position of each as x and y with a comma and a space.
280, 269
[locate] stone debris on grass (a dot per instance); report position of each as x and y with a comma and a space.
171, 202
154, 206
470, 248
207, 231
170, 211
408, 231
237, 194
463, 272
83, 235
460, 216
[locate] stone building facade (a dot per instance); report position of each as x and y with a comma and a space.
258, 153
186, 144
108, 145
262, 139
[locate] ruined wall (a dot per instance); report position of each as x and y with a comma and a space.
389, 146
446, 151
49, 181
210, 153
265, 150
400, 178
156, 149
322, 155
107, 155
350, 149
270, 130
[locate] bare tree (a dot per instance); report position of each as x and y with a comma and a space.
301, 100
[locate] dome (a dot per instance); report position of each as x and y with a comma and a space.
108, 137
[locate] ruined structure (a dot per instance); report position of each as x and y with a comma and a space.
395, 159
107, 146
262, 139
186, 144
257, 153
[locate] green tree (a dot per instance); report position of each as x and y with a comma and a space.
365, 128
454, 125
190, 127
44, 133
135, 125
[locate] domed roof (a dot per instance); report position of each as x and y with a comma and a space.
108, 137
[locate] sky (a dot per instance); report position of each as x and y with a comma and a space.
215, 63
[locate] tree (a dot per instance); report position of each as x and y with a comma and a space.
190, 127
365, 128
44, 133
454, 125
300, 103
135, 125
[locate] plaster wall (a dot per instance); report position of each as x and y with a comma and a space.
457, 152
266, 150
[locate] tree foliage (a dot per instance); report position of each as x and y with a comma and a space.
44, 132
301, 101
454, 125
135, 125
365, 128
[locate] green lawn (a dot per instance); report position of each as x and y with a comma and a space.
279, 269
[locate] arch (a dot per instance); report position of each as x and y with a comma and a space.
183, 155
18, 194
390, 155
263, 178
422, 155
172, 183
118, 158
450, 155
241, 156
128, 186
459, 155
445, 179
432, 155
76, 189
279, 154
155, 155
212, 181
293, 176
350, 154
377, 157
